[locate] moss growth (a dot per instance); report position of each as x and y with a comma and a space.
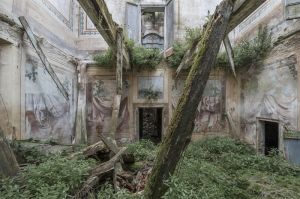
292, 135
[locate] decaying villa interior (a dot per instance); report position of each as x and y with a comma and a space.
54, 88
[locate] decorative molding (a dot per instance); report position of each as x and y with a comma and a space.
83, 25
59, 15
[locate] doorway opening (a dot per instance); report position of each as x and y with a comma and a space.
271, 135
150, 124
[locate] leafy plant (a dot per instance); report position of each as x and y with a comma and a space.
145, 58
248, 53
192, 35
104, 59
178, 53
180, 47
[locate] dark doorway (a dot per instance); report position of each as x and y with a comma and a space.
150, 124
271, 137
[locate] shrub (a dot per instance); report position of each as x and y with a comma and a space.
141, 57
248, 53
143, 150
104, 59
180, 47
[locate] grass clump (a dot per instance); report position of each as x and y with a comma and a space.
58, 177
226, 168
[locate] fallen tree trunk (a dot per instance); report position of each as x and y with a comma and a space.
8, 163
182, 124
90, 150
98, 172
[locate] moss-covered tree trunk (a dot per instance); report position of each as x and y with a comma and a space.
181, 127
8, 163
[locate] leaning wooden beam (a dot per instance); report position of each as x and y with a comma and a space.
242, 9
102, 19
43, 58
180, 129
230, 54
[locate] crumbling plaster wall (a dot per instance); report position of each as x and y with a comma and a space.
33, 107
269, 90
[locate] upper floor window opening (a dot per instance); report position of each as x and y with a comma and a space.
152, 26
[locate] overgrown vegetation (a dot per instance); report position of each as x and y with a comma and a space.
210, 168
248, 53
57, 177
226, 168
143, 150
141, 57
181, 46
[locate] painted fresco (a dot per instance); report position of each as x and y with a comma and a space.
48, 115
100, 103
152, 86
269, 92
209, 115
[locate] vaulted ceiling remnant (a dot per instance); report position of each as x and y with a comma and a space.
100, 16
